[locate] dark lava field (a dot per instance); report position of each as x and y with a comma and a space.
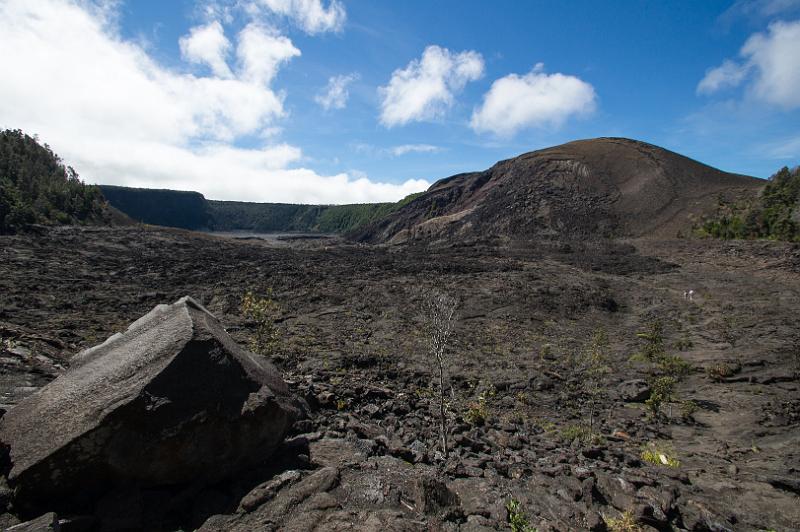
722, 452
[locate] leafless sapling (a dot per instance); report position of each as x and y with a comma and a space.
439, 316
594, 366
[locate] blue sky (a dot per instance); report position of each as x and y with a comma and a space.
340, 101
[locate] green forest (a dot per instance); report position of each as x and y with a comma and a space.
272, 217
37, 188
190, 210
775, 214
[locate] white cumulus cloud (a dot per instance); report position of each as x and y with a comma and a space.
536, 99
769, 67
728, 74
310, 15
119, 117
207, 45
262, 52
335, 93
425, 88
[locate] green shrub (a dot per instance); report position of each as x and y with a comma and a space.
775, 214
722, 370
625, 523
653, 351
660, 455
262, 311
652, 341
674, 366
583, 434
662, 391
593, 369
517, 519
478, 411
688, 409
684, 344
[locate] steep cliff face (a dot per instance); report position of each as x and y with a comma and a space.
590, 188
170, 208
191, 210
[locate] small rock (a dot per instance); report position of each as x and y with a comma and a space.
321, 501
370, 410
47, 522
20, 351
479, 497
403, 453
552, 471
325, 398
515, 442
593, 453
473, 471
478, 523
266, 490
432, 495
77, 523
543, 384
517, 471
634, 391
588, 490
594, 522
617, 490
311, 436
564, 494
303, 425
337, 451
401, 409
620, 435
661, 502
7, 521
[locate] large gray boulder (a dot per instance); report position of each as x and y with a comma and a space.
171, 400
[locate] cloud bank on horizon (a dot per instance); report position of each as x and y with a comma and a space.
120, 117
265, 100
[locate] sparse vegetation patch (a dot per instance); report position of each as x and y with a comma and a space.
517, 519
625, 523
262, 311
660, 455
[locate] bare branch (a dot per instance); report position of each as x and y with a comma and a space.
438, 317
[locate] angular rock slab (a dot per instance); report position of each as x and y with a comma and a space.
45, 523
171, 400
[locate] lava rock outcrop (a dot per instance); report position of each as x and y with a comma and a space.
173, 400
